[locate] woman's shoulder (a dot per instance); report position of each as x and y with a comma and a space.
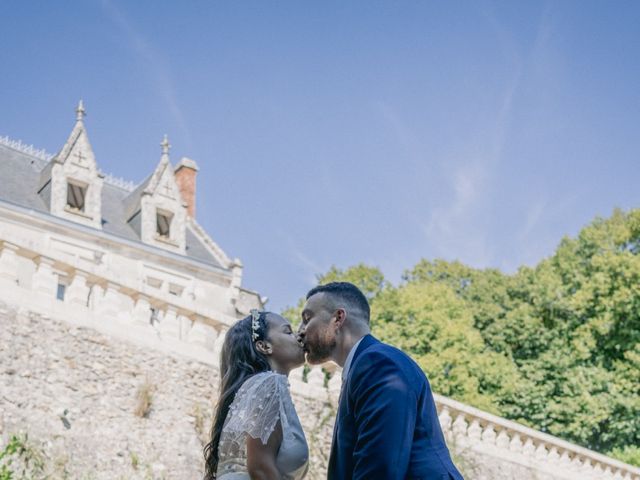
266, 376
261, 394
268, 379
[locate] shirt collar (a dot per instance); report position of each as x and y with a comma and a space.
347, 362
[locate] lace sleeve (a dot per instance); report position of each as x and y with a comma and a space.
258, 406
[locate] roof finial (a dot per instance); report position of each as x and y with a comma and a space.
80, 112
165, 145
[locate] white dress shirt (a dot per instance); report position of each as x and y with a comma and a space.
347, 362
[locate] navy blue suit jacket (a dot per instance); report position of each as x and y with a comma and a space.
387, 426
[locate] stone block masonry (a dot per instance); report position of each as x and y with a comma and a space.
75, 392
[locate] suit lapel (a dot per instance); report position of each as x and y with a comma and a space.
343, 400
366, 342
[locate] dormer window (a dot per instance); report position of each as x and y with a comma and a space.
163, 224
76, 195
156, 210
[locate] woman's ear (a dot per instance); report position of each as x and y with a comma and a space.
264, 347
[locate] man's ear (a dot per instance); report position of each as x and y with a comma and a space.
264, 347
339, 318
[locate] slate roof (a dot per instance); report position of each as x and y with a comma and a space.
19, 182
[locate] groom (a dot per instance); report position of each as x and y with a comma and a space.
387, 427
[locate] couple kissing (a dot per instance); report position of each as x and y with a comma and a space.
386, 427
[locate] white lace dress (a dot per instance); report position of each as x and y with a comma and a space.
261, 402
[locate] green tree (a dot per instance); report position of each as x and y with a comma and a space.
555, 346
431, 323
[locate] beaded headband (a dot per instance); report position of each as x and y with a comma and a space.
255, 324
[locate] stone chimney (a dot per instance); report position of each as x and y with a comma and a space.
185, 174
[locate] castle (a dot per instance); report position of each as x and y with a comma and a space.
114, 303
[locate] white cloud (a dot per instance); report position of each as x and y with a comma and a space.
460, 226
309, 266
454, 230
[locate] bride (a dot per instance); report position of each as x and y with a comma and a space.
256, 433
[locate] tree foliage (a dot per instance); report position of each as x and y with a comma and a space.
556, 346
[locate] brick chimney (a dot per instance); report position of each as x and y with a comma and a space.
185, 174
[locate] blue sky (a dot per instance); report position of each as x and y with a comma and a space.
330, 133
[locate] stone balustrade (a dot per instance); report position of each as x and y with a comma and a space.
518, 452
518, 448
151, 317
88, 295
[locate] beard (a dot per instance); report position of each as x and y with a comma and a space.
320, 350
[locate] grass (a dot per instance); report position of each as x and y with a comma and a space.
144, 399
21, 458
135, 461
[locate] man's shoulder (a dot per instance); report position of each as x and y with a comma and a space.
377, 353
384, 349
380, 348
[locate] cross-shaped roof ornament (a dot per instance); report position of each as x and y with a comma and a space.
81, 158
165, 145
80, 111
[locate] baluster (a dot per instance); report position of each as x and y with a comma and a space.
529, 448
553, 456
576, 463
489, 435
598, 471
541, 452
460, 430
297, 374
565, 460
335, 384
502, 441
444, 417
607, 472
475, 432
516, 444
316, 377
586, 468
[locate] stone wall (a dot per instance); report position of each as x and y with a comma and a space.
80, 397
100, 402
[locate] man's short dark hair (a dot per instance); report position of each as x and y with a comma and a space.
344, 292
